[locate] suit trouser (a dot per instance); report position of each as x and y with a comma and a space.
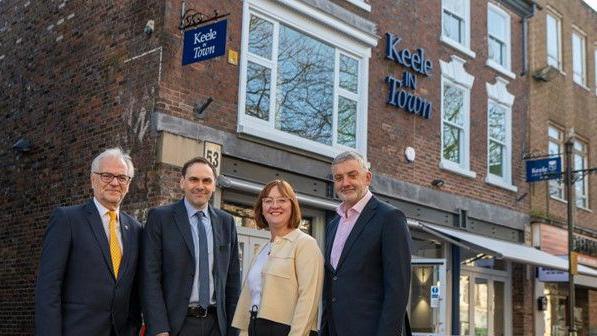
200, 326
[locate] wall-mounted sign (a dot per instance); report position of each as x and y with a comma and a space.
400, 95
213, 153
434, 297
204, 43
544, 169
551, 275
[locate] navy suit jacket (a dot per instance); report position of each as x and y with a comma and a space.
168, 268
368, 292
76, 292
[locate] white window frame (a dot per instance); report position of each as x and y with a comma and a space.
505, 69
560, 142
465, 46
345, 39
498, 94
362, 4
595, 68
585, 157
558, 21
453, 73
583, 57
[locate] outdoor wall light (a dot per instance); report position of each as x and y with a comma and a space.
22, 145
438, 183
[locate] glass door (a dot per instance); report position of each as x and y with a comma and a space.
427, 304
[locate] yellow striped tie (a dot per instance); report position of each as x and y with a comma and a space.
115, 252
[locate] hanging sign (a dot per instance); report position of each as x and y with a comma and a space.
544, 169
204, 43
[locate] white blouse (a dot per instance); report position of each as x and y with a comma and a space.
254, 276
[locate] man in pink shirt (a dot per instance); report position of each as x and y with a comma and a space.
367, 258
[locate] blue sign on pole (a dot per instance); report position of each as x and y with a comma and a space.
204, 43
544, 169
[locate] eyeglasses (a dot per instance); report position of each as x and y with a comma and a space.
269, 201
108, 178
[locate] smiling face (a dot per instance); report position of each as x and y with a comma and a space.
277, 209
198, 184
111, 194
351, 181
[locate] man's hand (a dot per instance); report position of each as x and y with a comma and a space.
163, 334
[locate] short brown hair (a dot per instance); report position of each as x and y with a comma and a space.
286, 190
200, 160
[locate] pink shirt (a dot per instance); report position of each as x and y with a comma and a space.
347, 220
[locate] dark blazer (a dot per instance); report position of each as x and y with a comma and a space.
76, 292
168, 268
368, 292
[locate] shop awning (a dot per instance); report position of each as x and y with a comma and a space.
502, 249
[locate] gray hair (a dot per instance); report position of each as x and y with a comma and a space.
115, 153
351, 155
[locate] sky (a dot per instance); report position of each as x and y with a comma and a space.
592, 3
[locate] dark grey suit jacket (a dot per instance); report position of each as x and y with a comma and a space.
368, 292
76, 292
168, 268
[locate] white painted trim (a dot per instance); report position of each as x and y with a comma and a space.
499, 182
318, 16
508, 43
458, 46
455, 168
499, 95
583, 56
499, 92
455, 72
361, 4
499, 68
558, 19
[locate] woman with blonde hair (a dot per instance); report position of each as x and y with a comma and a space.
282, 290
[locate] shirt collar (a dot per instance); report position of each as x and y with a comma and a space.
191, 210
291, 236
358, 207
102, 209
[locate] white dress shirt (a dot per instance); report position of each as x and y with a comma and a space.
254, 277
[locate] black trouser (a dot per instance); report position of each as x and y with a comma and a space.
262, 327
201, 326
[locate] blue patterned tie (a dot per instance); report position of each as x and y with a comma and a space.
203, 261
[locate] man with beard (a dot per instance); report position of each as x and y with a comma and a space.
190, 265
367, 259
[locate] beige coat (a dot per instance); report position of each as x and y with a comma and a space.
292, 280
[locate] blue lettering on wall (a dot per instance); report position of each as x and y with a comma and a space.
416, 61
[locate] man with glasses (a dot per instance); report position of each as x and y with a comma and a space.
87, 275
190, 266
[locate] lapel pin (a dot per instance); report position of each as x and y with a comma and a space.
126, 227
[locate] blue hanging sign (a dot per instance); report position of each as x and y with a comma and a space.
544, 169
204, 43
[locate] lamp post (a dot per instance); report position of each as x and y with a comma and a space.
570, 196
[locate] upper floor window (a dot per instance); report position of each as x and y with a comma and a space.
498, 37
579, 58
581, 185
301, 89
456, 25
499, 135
595, 67
455, 136
554, 40
555, 147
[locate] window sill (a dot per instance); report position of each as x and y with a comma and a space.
499, 68
582, 85
454, 168
585, 209
361, 4
561, 200
457, 46
498, 182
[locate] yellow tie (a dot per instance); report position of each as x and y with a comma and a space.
115, 252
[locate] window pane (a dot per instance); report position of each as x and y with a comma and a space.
577, 58
496, 25
349, 73
451, 143
497, 50
496, 158
261, 37
498, 308
305, 86
497, 123
453, 101
553, 54
453, 27
554, 133
347, 122
258, 91
455, 6
481, 307
464, 305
